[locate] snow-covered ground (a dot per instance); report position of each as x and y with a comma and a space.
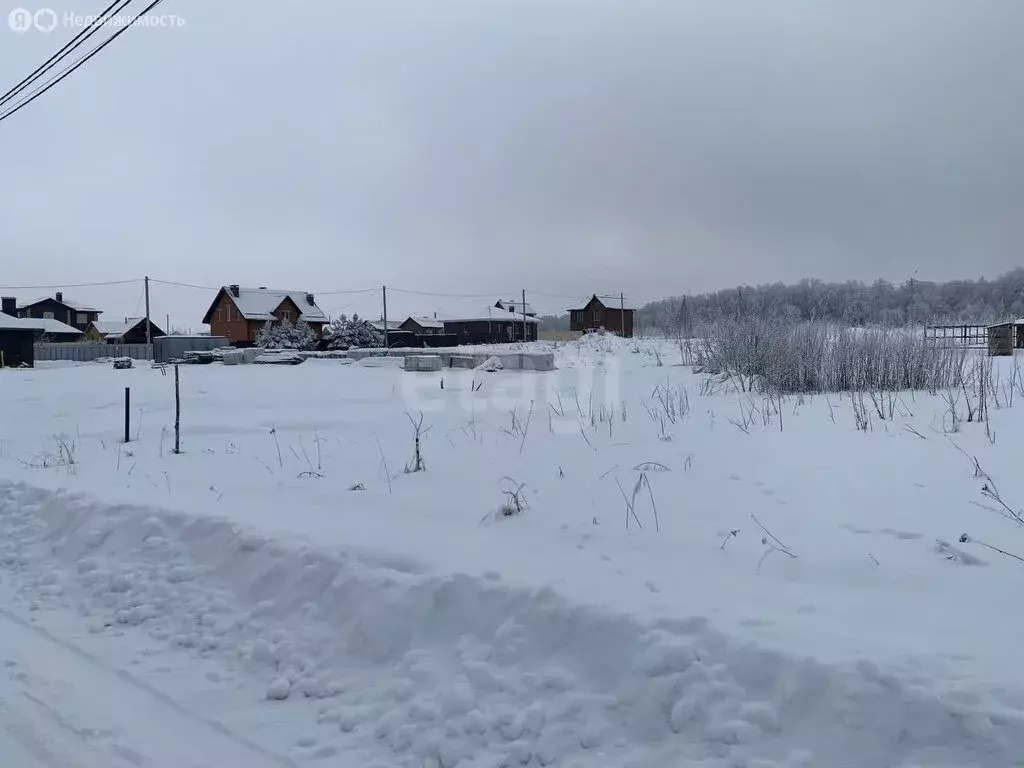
283, 592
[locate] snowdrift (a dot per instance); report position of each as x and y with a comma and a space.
423, 670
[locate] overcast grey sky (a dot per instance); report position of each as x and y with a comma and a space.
565, 146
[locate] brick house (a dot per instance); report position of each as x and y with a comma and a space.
239, 313
74, 313
598, 316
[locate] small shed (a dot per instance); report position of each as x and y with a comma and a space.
1003, 338
169, 348
16, 342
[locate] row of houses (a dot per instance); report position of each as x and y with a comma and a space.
238, 314
59, 319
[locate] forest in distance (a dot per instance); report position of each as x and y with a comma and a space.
853, 303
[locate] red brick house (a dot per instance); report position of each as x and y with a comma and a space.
596, 315
239, 313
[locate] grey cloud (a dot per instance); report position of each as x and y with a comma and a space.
566, 146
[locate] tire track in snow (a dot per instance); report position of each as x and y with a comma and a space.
62, 701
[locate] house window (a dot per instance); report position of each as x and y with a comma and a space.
287, 314
218, 316
597, 315
83, 319
48, 315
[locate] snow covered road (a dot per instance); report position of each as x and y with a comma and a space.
62, 708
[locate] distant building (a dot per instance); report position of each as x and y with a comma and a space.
131, 331
44, 329
392, 325
239, 313
499, 329
515, 306
74, 313
16, 342
423, 326
598, 316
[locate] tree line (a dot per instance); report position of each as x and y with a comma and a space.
915, 302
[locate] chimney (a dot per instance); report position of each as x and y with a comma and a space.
309, 299
9, 306
60, 297
232, 288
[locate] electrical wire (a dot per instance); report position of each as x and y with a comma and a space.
455, 295
71, 285
69, 46
53, 82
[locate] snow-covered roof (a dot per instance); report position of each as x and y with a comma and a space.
115, 327
426, 322
9, 323
496, 318
260, 303
516, 306
392, 324
78, 306
47, 325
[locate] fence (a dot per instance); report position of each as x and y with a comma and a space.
85, 353
969, 336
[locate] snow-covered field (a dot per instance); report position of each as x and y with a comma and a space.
283, 592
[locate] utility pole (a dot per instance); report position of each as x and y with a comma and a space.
167, 326
384, 294
525, 339
622, 315
149, 333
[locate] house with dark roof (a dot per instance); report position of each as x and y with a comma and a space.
77, 314
131, 331
239, 313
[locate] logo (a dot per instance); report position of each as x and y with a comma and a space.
20, 20
45, 20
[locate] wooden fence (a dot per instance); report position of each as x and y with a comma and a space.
85, 352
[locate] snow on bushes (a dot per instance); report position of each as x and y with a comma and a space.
348, 332
285, 335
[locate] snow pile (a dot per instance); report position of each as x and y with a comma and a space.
446, 671
491, 365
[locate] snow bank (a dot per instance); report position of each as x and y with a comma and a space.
426, 670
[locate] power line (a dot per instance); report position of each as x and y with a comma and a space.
73, 285
71, 45
497, 294
51, 83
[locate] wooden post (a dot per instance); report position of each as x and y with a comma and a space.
524, 317
127, 414
622, 315
149, 332
177, 412
384, 294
